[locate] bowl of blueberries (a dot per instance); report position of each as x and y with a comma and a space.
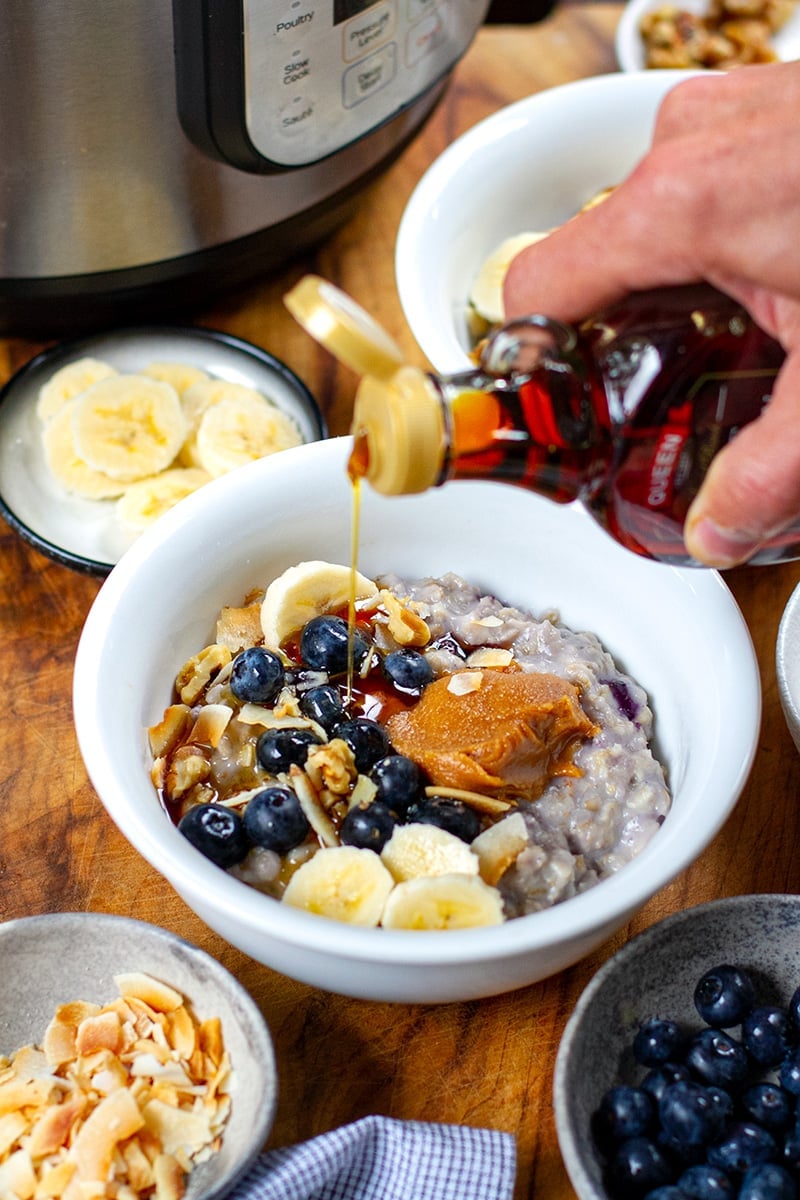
678, 1074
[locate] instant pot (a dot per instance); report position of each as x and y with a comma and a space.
153, 153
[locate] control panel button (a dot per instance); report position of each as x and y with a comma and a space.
424, 38
370, 30
367, 77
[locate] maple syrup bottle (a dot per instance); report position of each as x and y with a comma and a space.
624, 412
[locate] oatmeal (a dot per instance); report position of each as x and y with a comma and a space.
475, 764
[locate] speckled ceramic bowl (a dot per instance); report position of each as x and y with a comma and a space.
50, 960
655, 974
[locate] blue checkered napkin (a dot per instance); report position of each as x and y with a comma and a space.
382, 1159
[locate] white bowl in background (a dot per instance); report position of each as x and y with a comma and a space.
528, 167
787, 664
677, 631
630, 47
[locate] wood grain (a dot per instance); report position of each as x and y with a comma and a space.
486, 1063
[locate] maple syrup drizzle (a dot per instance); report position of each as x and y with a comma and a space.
355, 525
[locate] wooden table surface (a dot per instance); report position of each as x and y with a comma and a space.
486, 1063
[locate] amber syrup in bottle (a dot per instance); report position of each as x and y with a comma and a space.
626, 412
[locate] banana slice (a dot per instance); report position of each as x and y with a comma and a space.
146, 500
69, 382
180, 375
419, 850
307, 590
343, 883
239, 429
67, 466
129, 426
202, 394
445, 902
487, 290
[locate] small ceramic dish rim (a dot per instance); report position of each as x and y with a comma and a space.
238, 360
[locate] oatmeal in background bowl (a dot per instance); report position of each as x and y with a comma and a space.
677, 633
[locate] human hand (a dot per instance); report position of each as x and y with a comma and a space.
716, 198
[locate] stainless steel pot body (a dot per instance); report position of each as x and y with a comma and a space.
104, 200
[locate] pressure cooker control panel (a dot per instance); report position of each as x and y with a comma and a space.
275, 84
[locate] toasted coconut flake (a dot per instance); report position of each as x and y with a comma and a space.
317, 817
168, 1178
171, 730
11, 1126
176, 1129
77, 1130
461, 683
476, 800
490, 656
152, 992
103, 1032
115, 1118
499, 846
211, 723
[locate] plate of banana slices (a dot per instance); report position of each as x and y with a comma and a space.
101, 435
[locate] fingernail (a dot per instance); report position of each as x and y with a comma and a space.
718, 547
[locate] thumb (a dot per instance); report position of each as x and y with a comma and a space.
752, 490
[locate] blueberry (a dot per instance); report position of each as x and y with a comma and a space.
324, 645
766, 1035
408, 671
790, 1150
724, 995
257, 676
217, 832
768, 1182
789, 1073
368, 828
703, 1182
623, 1112
274, 819
659, 1078
668, 1191
744, 1145
689, 1115
399, 781
716, 1058
453, 815
638, 1166
323, 704
768, 1104
722, 1101
367, 739
793, 1008
278, 749
658, 1041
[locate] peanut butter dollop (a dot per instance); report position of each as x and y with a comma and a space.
502, 732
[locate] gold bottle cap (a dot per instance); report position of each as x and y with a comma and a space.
343, 327
399, 430
398, 424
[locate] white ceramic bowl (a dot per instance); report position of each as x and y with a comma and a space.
53, 959
529, 166
655, 975
677, 631
787, 664
630, 48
